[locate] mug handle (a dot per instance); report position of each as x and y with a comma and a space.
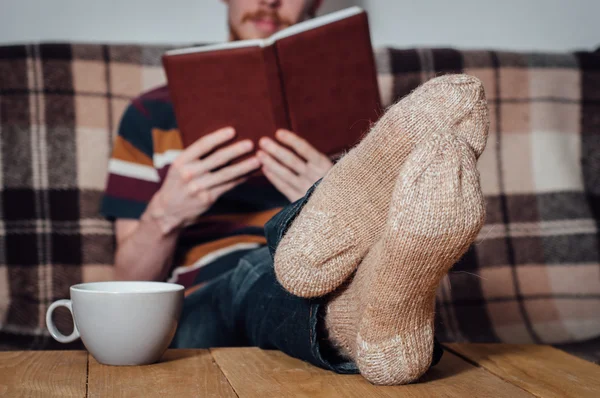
58, 336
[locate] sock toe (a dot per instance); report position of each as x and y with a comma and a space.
473, 128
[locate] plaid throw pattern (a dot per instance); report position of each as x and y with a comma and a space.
532, 276
58, 105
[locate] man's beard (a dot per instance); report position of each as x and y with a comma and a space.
260, 14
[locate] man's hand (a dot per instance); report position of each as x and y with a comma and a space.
292, 172
191, 186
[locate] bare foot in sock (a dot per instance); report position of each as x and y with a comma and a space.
383, 319
346, 214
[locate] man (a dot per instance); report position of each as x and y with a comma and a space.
348, 276
162, 197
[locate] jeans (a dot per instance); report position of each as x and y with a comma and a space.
246, 306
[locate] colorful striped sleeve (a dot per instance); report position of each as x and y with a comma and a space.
132, 178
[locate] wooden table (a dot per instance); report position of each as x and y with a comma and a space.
466, 370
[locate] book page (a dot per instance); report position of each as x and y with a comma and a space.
216, 47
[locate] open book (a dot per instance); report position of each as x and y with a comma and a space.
316, 78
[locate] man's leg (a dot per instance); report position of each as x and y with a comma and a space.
248, 307
272, 318
205, 320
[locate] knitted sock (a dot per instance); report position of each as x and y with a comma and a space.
346, 213
383, 319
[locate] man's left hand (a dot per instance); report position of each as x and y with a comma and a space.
292, 172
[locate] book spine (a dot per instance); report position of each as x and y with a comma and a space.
276, 88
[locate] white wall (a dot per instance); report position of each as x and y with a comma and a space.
505, 24
510, 24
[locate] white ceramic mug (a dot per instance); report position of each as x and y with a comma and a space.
122, 323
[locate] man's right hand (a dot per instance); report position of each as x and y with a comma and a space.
191, 186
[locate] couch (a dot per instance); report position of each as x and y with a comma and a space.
532, 276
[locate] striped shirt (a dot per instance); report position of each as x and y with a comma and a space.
147, 143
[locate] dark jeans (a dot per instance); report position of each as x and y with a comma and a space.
248, 307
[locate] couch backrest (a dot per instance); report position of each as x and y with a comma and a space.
532, 276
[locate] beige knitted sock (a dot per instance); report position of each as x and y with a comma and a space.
346, 213
383, 319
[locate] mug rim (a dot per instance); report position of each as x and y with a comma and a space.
160, 287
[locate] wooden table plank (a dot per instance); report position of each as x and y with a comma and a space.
43, 374
542, 370
258, 373
181, 373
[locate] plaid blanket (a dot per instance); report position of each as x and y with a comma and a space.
59, 104
532, 276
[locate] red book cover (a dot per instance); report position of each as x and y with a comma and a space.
330, 82
316, 78
215, 89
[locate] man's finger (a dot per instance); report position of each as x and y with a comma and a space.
300, 145
283, 155
278, 169
290, 192
218, 159
226, 174
206, 144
